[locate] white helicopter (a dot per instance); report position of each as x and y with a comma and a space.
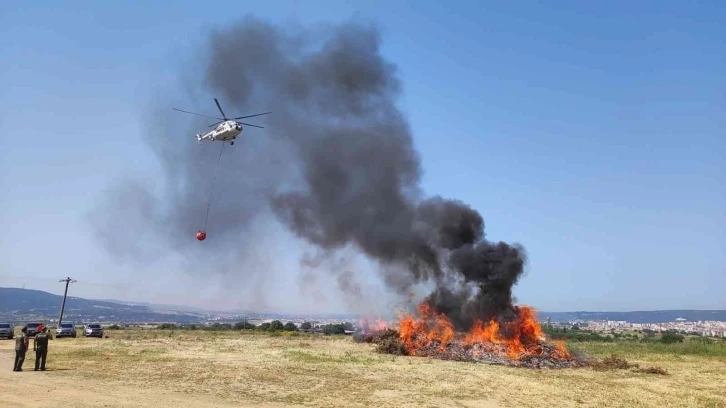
227, 130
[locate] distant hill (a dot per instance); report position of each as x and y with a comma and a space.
158, 306
25, 304
648, 316
19, 305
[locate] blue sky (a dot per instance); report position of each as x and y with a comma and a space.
593, 134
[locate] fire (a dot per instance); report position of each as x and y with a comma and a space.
368, 326
562, 351
430, 327
516, 339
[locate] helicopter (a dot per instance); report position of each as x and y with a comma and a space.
227, 129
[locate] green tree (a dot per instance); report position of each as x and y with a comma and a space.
290, 326
306, 326
243, 325
670, 338
264, 326
333, 329
276, 325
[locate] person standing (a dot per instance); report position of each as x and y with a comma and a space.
21, 346
40, 346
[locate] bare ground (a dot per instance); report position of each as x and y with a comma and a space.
220, 369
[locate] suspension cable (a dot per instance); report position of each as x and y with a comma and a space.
214, 179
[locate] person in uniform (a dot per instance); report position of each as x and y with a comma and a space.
21, 346
40, 346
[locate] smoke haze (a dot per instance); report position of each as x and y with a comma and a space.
336, 165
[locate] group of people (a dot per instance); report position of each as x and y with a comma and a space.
40, 346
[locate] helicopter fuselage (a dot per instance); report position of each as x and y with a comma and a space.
226, 131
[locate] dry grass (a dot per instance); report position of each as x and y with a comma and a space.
335, 371
652, 370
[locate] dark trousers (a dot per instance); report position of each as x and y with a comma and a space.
19, 359
40, 355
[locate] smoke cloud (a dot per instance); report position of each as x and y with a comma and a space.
336, 165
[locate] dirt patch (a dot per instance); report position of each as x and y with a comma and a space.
614, 362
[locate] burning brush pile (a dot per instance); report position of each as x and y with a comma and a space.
519, 342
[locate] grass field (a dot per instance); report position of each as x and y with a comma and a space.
246, 368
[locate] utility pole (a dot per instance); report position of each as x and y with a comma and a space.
63, 305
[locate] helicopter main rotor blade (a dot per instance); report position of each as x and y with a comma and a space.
249, 116
247, 124
220, 108
198, 114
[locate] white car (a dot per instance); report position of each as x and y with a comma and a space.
93, 330
65, 330
7, 330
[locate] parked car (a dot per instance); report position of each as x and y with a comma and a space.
93, 330
7, 330
66, 330
31, 328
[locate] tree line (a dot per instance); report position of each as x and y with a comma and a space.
273, 326
575, 334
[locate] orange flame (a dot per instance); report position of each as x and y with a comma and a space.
367, 326
562, 351
520, 337
431, 326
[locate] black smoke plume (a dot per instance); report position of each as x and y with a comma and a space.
338, 167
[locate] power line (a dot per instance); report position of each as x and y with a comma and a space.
67, 280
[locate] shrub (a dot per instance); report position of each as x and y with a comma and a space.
392, 345
219, 327
670, 338
334, 329
376, 337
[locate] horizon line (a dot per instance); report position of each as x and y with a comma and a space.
242, 311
